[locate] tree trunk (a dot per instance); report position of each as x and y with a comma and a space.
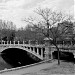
58, 55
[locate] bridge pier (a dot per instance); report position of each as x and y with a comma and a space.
51, 54
47, 53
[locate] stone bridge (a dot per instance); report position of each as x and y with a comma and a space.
37, 50
41, 51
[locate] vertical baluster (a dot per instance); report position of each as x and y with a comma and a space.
14, 42
34, 49
7, 42
37, 50
18, 42
10, 42
23, 42
29, 41
42, 52
30, 49
4, 42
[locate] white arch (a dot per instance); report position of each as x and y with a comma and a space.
23, 48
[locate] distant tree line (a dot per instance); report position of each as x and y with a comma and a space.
35, 34
7, 30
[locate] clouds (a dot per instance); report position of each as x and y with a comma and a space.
15, 10
23, 4
11, 4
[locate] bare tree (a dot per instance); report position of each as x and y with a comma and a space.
49, 19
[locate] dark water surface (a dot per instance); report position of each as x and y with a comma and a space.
3, 64
13, 57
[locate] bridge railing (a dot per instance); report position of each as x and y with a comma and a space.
29, 46
13, 42
30, 43
19, 42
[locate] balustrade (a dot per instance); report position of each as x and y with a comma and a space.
39, 49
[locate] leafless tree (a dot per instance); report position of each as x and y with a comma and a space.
49, 19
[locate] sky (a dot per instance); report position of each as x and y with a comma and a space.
16, 10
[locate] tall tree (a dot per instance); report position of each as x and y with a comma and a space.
48, 20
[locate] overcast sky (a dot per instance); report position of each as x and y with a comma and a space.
16, 10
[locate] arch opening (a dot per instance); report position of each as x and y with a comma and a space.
18, 57
66, 56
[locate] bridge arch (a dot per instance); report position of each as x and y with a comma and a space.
33, 50
17, 57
